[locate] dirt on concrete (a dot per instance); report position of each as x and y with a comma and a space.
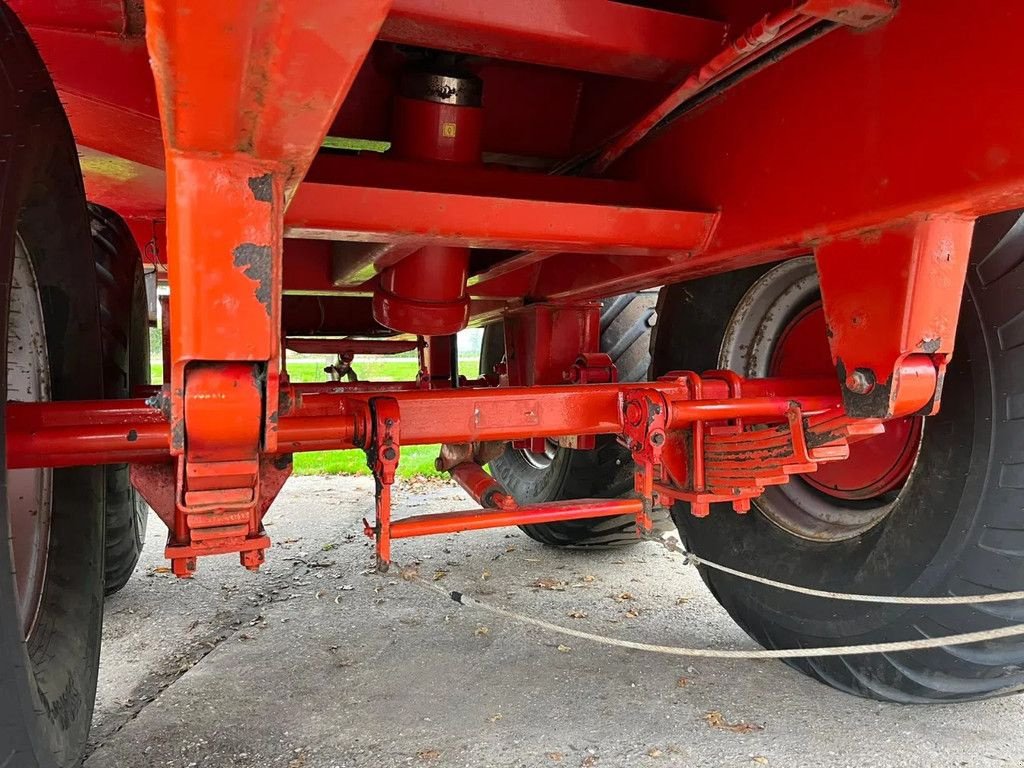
318, 662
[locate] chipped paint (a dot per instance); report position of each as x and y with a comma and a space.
256, 263
262, 187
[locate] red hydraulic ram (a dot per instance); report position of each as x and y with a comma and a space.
83, 433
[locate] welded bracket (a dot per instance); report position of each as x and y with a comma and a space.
644, 425
892, 300
382, 455
550, 344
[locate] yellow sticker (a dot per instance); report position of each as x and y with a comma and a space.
448, 130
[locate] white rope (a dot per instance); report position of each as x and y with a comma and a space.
964, 638
673, 545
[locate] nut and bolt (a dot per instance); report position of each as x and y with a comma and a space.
861, 381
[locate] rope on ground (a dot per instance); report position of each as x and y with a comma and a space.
673, 545
411, 575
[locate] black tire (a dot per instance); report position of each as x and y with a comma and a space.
48, 680
124, 322
605, 472
956, 526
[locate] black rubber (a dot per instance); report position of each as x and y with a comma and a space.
124, 322
956, 528
48, 683
605, 472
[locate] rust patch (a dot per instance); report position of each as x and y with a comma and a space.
255, 263
134, 18
262, 187
178, 434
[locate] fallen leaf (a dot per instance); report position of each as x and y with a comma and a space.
328, 547
555, 756
682, 682
564, 648
682, 600
494, 718
760, 759
291, 541
428, 754
654, 752
485, 575
716, 719
589, 761
482, 631
439, 574
161, 569
588, 578
577, 614
632, 613
622, 597
553, 584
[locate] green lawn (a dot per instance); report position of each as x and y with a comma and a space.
416, 460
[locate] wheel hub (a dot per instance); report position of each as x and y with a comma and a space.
28, 490
876, 466
778, 329
541, 459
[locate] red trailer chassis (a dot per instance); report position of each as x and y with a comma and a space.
625, 147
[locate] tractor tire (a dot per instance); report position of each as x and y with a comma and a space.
954, 526
606, 472
124, 321
51, 521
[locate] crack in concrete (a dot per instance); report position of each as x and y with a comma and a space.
224, 625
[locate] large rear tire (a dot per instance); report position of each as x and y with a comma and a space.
953, 525
124, 321
51, 521
561, 473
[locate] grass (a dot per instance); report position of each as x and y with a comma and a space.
416, 460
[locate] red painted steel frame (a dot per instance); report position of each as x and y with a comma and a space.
72, 434
590, 35
247, 90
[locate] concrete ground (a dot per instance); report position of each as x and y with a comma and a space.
318, 663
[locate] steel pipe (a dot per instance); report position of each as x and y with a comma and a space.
63, 434
477, 519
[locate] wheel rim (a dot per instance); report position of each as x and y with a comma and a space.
29, 491
541, 459
778, 329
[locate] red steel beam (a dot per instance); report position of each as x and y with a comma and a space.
478, 519
589, 35
783, 188
766, 34
97, 432
355, 346
338, 212
469, 179
262, 80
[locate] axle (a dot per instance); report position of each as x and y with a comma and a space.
65, 434
697, 439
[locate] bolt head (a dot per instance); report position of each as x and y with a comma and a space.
861, 381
